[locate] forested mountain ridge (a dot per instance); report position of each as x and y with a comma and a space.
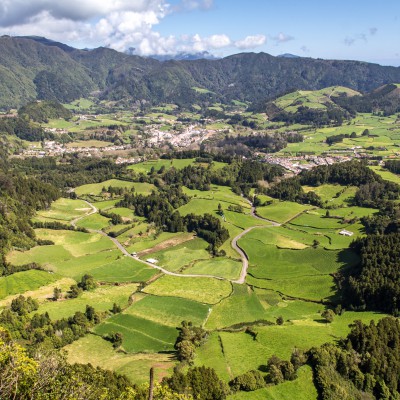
31, 69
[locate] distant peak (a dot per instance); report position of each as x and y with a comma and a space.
288, 55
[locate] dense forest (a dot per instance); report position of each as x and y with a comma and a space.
373, 191
366, 365
374, 284
20, 198
42, 111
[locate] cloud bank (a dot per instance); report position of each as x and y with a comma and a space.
119, 24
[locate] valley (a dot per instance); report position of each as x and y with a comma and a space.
248, 241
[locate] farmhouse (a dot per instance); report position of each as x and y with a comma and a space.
345, 232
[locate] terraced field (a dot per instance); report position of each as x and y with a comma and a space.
291, 263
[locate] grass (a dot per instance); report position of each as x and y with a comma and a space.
139, 334
43, 293
94, 221
102, 299
280, 340
95, 188
301, 388
386, 175
185, 254
315, 288
219, 266
170, 311
47, 256
75, 267
204, 290
22, 282
281, 211
98, 352
64, 210
242, 306
123, 269
140, 243
146, 166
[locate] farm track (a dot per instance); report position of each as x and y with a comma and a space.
235, 246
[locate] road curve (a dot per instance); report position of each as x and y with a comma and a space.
235, 246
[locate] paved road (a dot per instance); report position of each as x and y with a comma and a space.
126, 252
242, 254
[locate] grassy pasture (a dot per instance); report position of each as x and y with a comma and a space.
281, 211
47, 256
43, 293
123, 269
65, 237
242, 306
332, 193
94, 221
146, 166
316, 288
106, 204
64, 210
22, 282
102, 299
170, 311
144, 242
242, 353
219, 266
139, 334
300, 389
75, 267
185, 254
95, 188
204, 290
387, 175
95, 350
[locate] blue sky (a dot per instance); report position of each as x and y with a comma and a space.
353, 29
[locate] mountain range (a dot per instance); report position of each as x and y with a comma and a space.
39, 68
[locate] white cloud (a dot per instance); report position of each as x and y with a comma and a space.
250, 42
119, 24
282, 38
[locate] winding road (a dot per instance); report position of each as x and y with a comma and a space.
235, 246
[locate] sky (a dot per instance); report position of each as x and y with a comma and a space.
366, 30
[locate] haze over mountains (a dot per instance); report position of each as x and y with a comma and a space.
38, 68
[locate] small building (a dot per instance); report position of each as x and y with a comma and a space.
345, 232
152, 261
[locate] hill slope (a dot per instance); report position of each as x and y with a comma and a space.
41, 69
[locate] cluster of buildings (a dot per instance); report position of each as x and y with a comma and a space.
185, 138
296, 164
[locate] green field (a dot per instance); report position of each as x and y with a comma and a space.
64, 210
102, 299
219, 266
170, 311
182, 255
281, 211
204, 290
123, 269
94, 221
95, 188
98, 352
139, 334
243, 306
300, 389
22, 282
241, 352
387, 175
146, 166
